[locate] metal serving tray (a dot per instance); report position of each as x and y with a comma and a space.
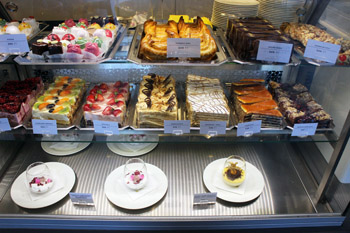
42, 27
27, 60
294, 60
133, 55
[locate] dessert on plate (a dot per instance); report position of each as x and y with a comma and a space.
39, 177
234, 171
135, 174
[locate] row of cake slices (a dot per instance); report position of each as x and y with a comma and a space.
157, 101
78, 38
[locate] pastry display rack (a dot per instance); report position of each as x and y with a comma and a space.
299, 186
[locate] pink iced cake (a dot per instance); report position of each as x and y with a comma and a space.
107, 102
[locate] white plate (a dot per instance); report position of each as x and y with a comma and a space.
20, 195
81, 146
254, 182
118, 196
123, 148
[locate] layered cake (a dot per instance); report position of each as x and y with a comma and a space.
154, 43
252, 101
245, 34
60, 101
17, 98
157, 101
205, 100
298, 106
107, 102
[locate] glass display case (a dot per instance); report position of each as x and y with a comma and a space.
289, 181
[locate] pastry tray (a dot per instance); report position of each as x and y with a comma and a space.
132, 109
42, 27
294, 60
81, 125
133, 55
27, 60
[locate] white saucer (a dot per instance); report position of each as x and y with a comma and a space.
20, 195
118, 196
254, 182
126, 149
63, 152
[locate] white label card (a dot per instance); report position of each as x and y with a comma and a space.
274, 51
14, 43
322, 51
204, 199
106, 127
4, 125
248, 128
44, 126
184, 47
304, 129
81, 199
177, 127
212, 127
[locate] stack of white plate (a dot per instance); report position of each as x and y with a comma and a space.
222, 9
279, 11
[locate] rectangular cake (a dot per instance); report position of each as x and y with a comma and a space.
17, 98
107, 102
252, 101
157, 101
298, 105
205, 100
60, 101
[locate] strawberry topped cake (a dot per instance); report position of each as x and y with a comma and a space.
107, 102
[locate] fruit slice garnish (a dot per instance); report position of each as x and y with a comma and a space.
57, 109
43, 105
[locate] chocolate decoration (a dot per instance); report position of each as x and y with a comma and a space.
168, 91
148, 102
171, 98
152, 75
171, 106
147, 92
166, 83
167, 78
151, 81
149, 86
50, 106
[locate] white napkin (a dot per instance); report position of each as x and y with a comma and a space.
151, 185
220, 184
58, 184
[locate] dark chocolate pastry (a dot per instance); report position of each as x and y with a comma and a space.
97, 19
39, 47
55, 47
110, 19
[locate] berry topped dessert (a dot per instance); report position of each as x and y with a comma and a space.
40, 184
135, 180
107, 102
16, 98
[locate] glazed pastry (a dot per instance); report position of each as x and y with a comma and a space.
157, 101
69, 22
97, 20
233, 175
39, 47
81, 42
84, 21
68, 37
92, 48
25, 28
73, 49
53, 37
11, 29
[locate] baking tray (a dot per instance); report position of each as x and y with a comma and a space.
82, 124
132, 109
27, 60
133, 55
42, 27
27, 122
294, 60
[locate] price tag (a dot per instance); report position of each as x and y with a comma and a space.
212, 127
4, 125
304, 129
14, 43
274, 51
204, 199
106, 127
248, 128
177, 127
322, 51
44, 126
183, 47
81, 199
